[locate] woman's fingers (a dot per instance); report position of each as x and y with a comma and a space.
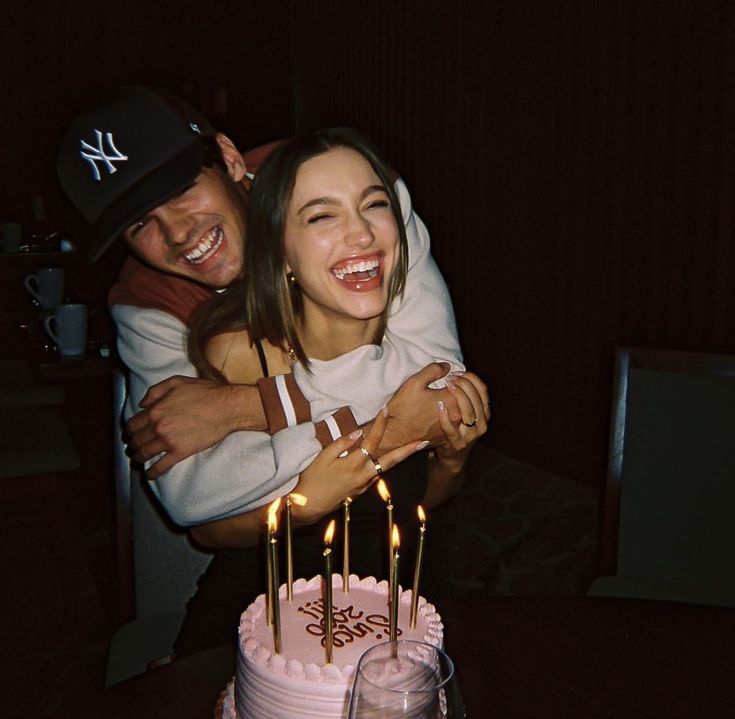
467, 408
369, 473
374, 466
477, 390
342, 445
375, 433
471, 395
451, 430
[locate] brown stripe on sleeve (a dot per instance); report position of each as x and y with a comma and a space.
301, 406
274, 414
346, 423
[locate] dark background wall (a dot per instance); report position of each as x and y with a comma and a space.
573, 160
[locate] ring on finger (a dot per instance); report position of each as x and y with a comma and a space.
376, 464
470, 424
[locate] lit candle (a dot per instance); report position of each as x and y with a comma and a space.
328, 604
274, 581
385, 495
299, 499
395, 542
269, 597
346, 545
417, 570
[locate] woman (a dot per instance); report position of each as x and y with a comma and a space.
326, 257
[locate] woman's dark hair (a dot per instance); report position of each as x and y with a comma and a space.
265, 302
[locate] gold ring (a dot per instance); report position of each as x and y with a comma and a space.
378, 467
470, 424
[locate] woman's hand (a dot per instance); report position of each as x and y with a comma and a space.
340, 470
346, 468
446, 470
471, 395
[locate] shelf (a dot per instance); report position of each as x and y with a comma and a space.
33, 259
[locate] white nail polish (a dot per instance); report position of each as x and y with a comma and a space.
356, 434
342, 455
422, 444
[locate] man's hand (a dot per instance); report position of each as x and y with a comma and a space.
184, 415
413, 410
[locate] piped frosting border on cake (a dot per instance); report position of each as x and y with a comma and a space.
327, 673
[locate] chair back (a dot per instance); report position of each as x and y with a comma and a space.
668, 520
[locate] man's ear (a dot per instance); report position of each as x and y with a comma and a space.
234, 162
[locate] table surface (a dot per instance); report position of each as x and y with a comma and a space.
523, 657
61, 370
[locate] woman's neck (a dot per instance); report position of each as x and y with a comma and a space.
326, 338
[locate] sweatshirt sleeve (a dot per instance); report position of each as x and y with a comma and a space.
285, 405
244, 471
424, 315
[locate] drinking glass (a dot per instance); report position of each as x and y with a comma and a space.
401, 679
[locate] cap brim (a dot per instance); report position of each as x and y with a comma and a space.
151, 191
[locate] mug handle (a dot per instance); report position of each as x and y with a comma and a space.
47, 326
33, 290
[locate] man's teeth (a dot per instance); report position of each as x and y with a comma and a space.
207, 244
369, 266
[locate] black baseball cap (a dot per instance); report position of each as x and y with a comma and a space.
129, 154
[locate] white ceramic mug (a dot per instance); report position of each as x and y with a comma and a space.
68, 328
47, 286
10, 235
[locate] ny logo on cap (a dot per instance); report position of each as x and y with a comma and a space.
98, 154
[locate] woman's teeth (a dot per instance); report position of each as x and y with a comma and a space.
208, 244
366, 269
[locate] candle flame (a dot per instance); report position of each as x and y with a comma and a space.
422, 514
273, 515
396, 542
298, 499
383, 490
329, 533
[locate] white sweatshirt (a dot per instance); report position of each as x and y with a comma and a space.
249, 469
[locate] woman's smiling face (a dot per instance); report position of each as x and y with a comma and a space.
341, 237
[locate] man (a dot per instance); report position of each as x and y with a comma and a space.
146, 167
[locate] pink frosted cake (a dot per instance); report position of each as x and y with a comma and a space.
298, 683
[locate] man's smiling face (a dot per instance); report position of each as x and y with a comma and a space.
199, 233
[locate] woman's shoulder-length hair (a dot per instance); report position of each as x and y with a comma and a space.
265, 302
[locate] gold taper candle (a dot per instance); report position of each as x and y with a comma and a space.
328, 604
346, 545
417, 569
385, 495
291, 499
268, 577
289, 552
273, 544
269, 595
393, 616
